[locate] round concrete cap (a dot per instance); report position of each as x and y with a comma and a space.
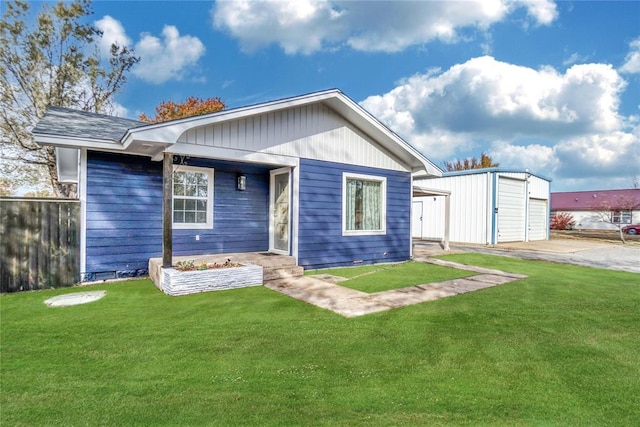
75, 299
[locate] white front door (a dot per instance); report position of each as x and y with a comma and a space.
279, 218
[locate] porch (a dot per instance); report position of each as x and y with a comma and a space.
273, 266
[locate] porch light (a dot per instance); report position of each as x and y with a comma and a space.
242, 182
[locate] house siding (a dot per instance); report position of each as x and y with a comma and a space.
313, 132
320, 239
124, 213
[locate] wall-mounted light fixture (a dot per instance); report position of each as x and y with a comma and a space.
242, 182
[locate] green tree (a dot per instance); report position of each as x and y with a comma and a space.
52, 61
471, 163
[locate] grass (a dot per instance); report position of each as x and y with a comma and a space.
384, 277
559, 348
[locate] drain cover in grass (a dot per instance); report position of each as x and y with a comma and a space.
75, 298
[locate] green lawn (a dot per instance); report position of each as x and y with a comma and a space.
384, 277
559, 348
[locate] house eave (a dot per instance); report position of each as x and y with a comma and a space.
169, 132
77, 142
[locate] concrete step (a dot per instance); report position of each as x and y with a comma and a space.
275, 273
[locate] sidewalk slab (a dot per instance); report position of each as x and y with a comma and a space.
352, 303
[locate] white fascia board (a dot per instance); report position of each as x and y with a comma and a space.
419, 191
169, 132
77, 142
231, 155
385, 136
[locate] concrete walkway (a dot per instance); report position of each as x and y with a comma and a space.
351, 303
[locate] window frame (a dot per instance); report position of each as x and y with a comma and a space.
346, 176
621, 216
209, 172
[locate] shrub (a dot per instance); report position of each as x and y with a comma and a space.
562, 221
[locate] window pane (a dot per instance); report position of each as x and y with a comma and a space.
351, 205
364, 205
178, 217
202, 191
189, 217
178, 205
178, 177
178, 189
190, 205
190, 190
201, 217
201, 205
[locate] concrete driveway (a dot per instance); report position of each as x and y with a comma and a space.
613, 256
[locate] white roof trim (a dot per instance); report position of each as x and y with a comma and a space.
76, 142
170, 132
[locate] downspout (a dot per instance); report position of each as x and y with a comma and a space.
494, 209
411, 219
527, 225
447, 220
82, 195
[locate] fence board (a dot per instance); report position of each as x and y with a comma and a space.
39, 243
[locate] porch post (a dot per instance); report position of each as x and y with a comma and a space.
167, 210
447, 220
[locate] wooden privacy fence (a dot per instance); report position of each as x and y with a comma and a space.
39, 243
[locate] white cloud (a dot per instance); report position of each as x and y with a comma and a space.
161, 59
575, 58
112, 33
535, 157
167, 58
543, 12
573, 116
632, 60
495, 99
306, 26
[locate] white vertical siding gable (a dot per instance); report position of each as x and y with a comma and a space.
314, 132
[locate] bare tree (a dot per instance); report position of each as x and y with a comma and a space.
617, 210
55, 61
485, 161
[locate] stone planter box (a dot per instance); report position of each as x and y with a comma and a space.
176, 282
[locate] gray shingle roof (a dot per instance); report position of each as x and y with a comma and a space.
76, 123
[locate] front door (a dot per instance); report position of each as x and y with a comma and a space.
279, 220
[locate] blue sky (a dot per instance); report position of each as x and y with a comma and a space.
549, 86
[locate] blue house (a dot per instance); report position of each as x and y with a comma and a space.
315, 177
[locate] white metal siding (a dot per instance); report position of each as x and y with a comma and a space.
538, 188
470, 203
312, 132
432, 208
538, 219
511, 210
416, 219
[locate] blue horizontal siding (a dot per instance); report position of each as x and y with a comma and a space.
320, 240
124, 212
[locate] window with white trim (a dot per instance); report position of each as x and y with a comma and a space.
621, 217
364, 204
192, 197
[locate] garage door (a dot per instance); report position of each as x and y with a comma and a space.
537, 219
511, 210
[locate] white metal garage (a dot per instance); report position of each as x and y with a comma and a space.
487, 206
